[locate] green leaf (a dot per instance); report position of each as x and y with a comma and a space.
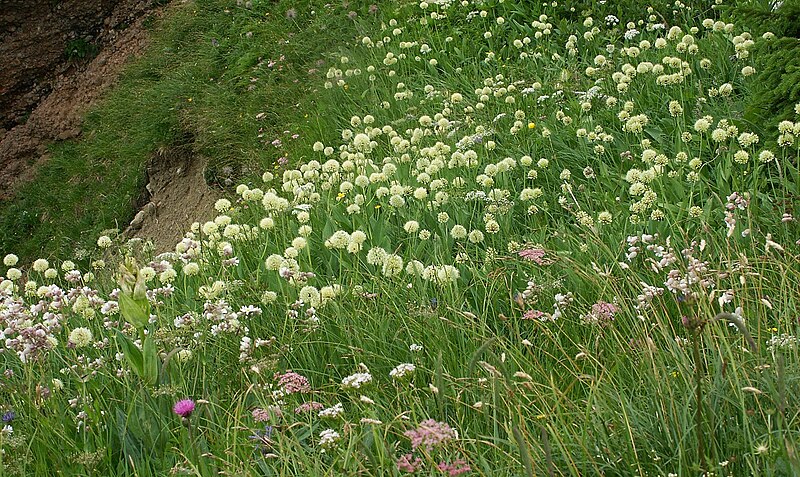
150, 362
655, 133
132, 354
135, 311
165, 366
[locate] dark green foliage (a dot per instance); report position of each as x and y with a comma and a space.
777, 61
779, 80
80, 49
761, 16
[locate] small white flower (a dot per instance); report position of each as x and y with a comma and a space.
332, 412
402, 371
356, 381
328, 438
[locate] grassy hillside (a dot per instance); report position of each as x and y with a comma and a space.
212, 69
510, 238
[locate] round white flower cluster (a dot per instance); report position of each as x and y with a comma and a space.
402, 371
356, 381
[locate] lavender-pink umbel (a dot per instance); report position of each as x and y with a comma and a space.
430, 433
291, 382
310, 406
407, 463
455, 468
535, 255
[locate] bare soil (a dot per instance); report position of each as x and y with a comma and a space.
177, 195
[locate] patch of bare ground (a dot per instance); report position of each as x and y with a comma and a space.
177, 195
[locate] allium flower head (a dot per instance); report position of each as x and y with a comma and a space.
10, 260
80, 337
184, 408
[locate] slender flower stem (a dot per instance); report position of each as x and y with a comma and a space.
698, 415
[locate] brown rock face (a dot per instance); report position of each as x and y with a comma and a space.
56, 59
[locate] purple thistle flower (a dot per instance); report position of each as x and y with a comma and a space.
184, 408
9, 416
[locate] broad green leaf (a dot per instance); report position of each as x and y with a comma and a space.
132, 354
135, 311
150, 362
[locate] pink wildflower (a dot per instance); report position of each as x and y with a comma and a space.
535, 315
291, 382
533, 254
184, 408
264, 415
602, 313
406, 464
308, 407
456, 468
430, 433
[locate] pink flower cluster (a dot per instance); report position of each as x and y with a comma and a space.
265, 415
453, 469
291, 382
602, 313
430, 433
310, 406
407, 463
533, 254
535, 315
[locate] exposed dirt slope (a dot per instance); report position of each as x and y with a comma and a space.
177, 195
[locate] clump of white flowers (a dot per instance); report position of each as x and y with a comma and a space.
402, 371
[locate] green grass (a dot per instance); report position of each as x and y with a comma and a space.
561, 270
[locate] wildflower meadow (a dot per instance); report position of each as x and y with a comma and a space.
523, 239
